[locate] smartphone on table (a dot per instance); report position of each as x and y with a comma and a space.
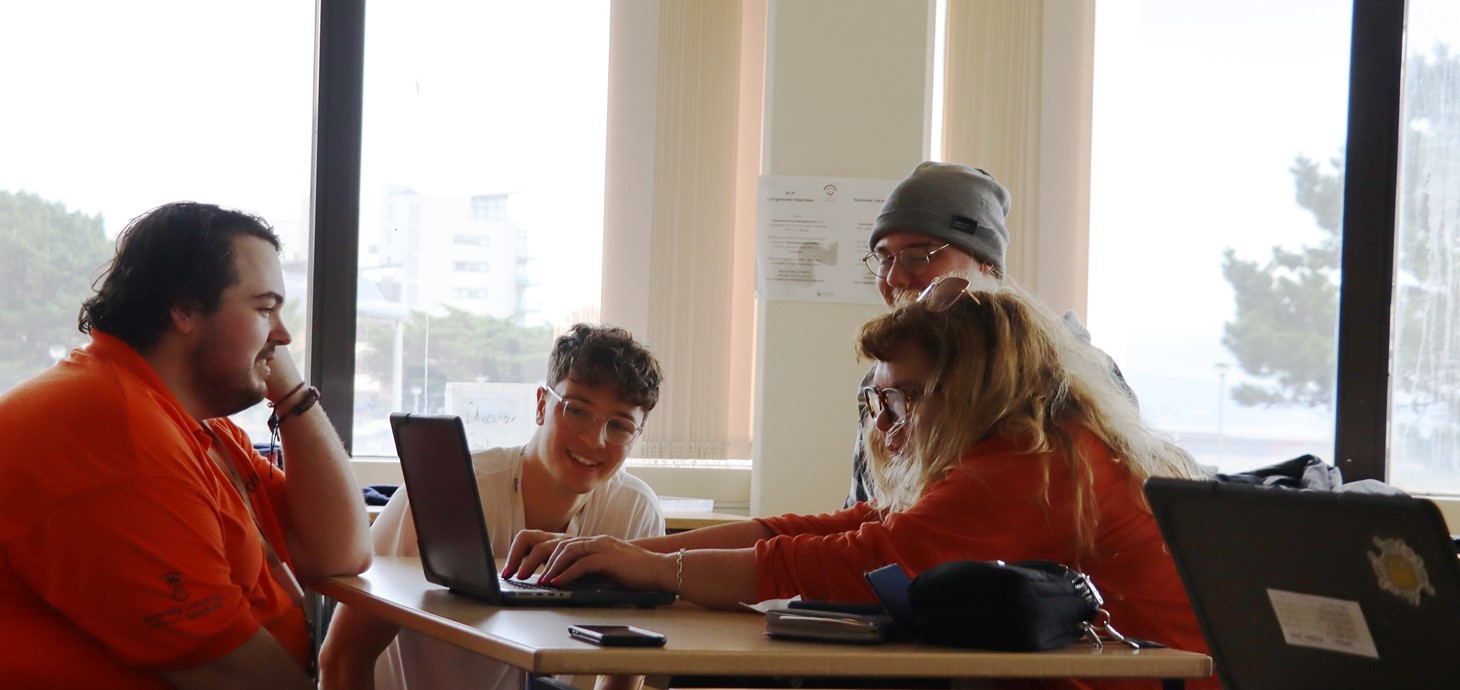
616, 635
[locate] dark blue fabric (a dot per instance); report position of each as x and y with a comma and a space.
378, 494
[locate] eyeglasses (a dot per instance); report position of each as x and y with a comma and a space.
893, 401
578, 417
943, 292
914, 260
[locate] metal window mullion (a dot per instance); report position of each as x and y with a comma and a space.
1366, 291
335, 206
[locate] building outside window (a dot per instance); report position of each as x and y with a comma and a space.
481, 209
489, 206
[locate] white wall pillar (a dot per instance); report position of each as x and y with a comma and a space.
847, 94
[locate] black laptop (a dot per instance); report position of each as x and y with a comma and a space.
456, 549
1302, 589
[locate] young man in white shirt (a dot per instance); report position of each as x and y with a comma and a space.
567, 479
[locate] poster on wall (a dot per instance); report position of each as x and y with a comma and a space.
811, 235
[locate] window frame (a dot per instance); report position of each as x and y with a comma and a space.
1370, 195
334, 252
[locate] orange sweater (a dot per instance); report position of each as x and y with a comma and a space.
990, 507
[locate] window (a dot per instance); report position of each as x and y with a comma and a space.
1178, 171
469, 293
114, 115
482, 240
484, 206
1424, 396
489, 206
1217, 196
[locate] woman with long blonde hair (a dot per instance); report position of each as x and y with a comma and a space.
1004, 367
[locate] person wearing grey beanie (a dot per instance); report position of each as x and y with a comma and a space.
956, 204
942, 219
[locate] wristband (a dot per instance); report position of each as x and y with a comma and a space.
311, 397
288, 395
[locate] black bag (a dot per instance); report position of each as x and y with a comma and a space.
1022, 606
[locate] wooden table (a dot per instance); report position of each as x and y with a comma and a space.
682, 520
708, 643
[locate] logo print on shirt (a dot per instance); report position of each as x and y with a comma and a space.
174, 580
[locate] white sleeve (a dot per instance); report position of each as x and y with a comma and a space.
638, 508
394, 531
623, 507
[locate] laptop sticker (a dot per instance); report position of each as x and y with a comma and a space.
1400, 570
1336, 625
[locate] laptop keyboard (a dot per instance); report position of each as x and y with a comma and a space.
585, 583
527, 585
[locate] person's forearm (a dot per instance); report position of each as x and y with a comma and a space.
331, 533
259, 662
715, 578
733, 535
355, 641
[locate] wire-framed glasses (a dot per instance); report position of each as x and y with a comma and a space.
914, 260
895, 402
943, 292
578, 417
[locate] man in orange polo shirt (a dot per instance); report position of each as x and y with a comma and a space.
143, 542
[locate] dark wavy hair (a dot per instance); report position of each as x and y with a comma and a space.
607, 355
175, 253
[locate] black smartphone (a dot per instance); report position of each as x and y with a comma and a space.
616, 635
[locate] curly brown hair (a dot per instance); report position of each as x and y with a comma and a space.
607, 355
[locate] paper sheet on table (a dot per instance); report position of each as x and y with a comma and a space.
769, 604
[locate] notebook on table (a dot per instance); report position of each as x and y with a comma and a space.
455, 544
1302, 589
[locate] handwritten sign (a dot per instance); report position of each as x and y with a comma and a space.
496, 415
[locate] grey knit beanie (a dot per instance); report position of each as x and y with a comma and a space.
955, 203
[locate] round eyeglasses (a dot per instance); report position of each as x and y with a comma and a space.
893, 401
580, 418
914, 260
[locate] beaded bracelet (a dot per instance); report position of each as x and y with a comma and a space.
679, 573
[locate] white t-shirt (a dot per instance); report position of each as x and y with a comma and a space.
624, 506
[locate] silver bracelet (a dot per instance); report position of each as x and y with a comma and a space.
679, 573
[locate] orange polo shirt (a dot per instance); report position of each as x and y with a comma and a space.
124, 550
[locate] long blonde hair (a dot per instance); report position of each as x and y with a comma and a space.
1004, 365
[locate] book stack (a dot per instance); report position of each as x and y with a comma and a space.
810, 620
